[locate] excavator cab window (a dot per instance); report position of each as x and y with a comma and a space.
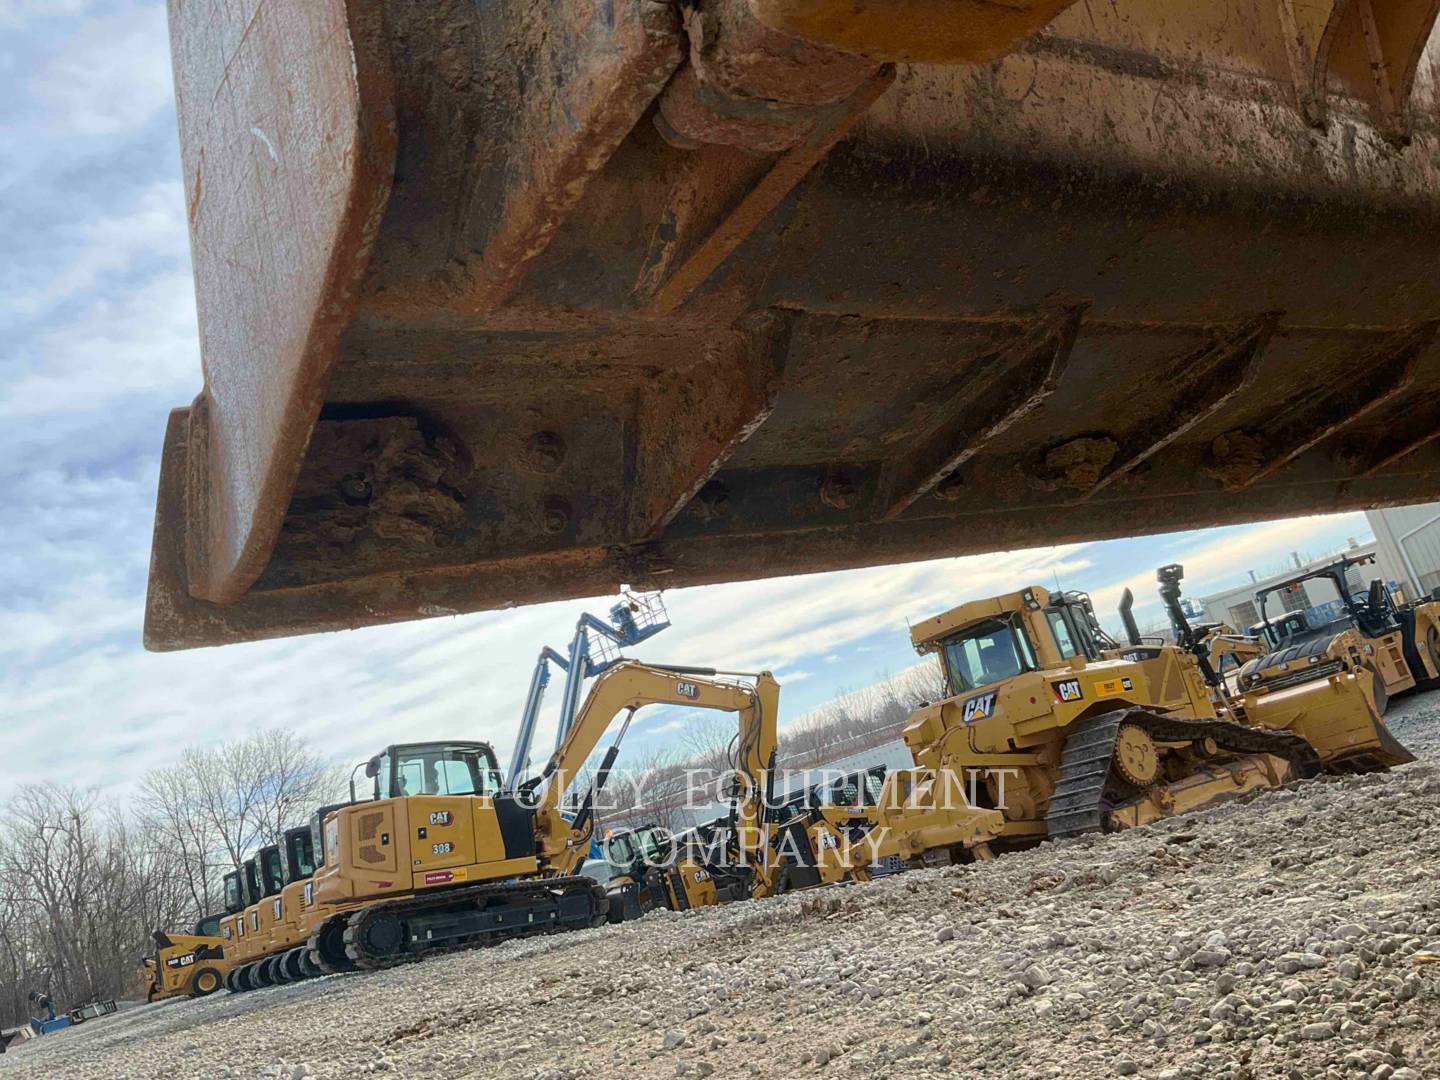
271, 870
987, 652
253, 892
299, 854
437, 769
234, 895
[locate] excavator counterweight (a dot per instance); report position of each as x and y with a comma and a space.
506, 302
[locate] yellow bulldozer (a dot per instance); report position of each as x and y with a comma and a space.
506, 302
1072, 732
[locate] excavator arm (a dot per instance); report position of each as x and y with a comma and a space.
631, 686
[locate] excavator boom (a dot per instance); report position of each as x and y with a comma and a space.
507, 302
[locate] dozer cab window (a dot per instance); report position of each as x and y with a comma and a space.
253, 893
439, 769
1070, 626
988, 652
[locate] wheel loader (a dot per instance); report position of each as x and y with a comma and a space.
1348, 668
1068, 741
192, 964
506, 302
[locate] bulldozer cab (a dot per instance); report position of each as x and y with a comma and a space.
988, 641
254, 889
438, 768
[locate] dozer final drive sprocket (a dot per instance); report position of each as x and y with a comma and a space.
510, 301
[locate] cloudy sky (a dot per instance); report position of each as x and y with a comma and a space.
98, 342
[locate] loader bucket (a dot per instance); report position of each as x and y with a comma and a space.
1339, 716
506, 302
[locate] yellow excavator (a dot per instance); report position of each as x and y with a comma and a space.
265, 932
443, 856
192, 964
1062, 739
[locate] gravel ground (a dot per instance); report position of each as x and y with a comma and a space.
1270, 938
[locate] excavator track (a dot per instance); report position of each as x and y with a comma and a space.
401, 931
1078, 807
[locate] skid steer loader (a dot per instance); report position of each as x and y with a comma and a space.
510, 301
192, 964
1068, 741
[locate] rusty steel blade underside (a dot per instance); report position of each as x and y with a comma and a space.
510, 301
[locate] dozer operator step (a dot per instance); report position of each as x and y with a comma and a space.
398, 931
1078, 805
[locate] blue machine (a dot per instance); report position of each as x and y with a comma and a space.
44, 1021
595, 648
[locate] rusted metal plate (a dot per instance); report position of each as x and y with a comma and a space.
286, 150
1163, 265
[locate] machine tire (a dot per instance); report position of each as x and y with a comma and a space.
268, 974
205, 982
278, 975
242, 979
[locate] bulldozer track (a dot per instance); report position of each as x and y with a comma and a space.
357, 923
1077, 806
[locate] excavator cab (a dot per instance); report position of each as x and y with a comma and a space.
233, 889
299, 854
435, 768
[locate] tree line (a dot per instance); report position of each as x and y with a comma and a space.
85, 880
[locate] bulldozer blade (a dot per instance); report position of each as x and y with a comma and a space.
510, 302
